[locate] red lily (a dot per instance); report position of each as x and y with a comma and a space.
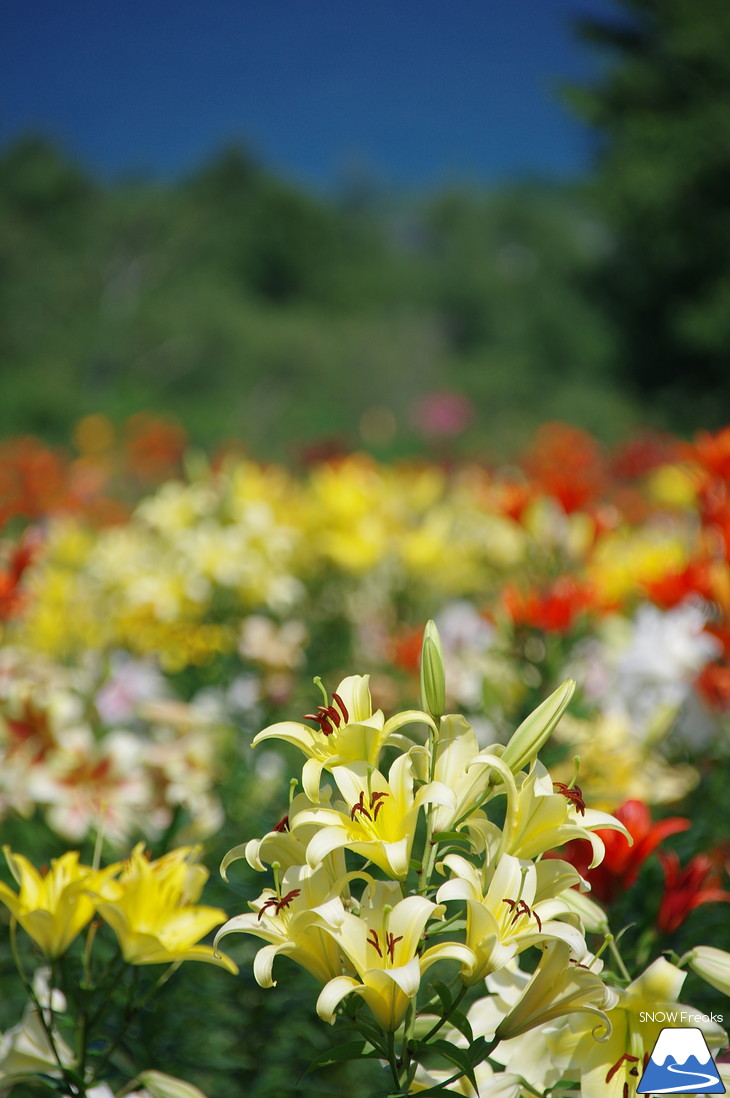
685, 889
621, 863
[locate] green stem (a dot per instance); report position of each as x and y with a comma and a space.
132, 1009
618, 958
447, 1014
392, 1060
30, 991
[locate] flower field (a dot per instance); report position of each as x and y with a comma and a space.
209, 660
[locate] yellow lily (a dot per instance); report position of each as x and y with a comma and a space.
507, 917
605, 1066
347, 731
539, 819
291, 920
280, 845
381, 944
557, 988
377, 819
462, 774
52, 908
153, 912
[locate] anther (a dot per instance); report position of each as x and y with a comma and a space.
625, 1056
574, 794
279, 903
343, 707
375, 943
391, 944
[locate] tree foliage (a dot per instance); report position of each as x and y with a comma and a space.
661, 110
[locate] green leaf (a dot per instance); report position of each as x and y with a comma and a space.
350, 1050
459, 1020
453, 837
445, 996
455, 1055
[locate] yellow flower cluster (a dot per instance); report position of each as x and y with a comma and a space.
440, 856
443, 793
194, 557
150, 905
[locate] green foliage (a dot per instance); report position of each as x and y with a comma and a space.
662, 112
253, 310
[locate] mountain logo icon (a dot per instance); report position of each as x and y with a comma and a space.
680, 1063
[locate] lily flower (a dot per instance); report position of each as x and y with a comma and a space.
377, 819
539, 819
34, 1045
291, 920
558, 988
347, 731
53, 908
462, 775
508, 916
685, 889
152, 909
381, 944
610, 1067
281, 845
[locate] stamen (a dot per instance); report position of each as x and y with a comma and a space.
279, 903
375, 942
376, 803
625, 1056
574, 794
343, 707
360, 807
334, 715
520, 907
391, 944
283, 824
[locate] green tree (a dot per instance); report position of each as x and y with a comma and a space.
661, 110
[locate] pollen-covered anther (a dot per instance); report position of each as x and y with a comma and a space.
283, 824
327, 717
343, 708
371, 811
520, 907
390, 940
625, 1057
574, 794
376, 803
279, 903
360, 807
372, 939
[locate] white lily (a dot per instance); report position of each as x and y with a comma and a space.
508, 916
605, 1067
290, 919
381, 944
347, 731
377, 818
539, 819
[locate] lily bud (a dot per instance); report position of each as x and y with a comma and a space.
537, 728
713, 965
160, 1085
433, 675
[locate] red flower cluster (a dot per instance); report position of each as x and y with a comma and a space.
685, 889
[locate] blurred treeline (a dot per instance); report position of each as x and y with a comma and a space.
254, 310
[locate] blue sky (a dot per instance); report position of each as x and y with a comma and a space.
411, 93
